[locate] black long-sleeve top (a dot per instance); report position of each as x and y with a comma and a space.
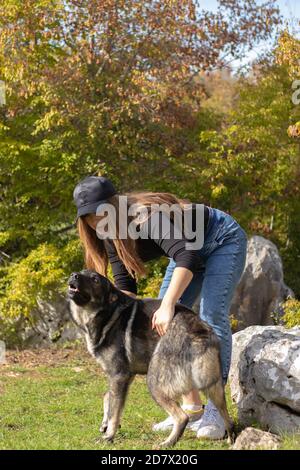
159, 240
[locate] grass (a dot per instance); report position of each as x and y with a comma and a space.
53, 400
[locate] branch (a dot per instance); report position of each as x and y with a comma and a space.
3, 256
2, 253
65, 229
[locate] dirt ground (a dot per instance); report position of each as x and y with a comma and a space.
31, 358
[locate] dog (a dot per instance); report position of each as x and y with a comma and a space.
119, 334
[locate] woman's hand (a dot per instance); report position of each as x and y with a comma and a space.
162, 318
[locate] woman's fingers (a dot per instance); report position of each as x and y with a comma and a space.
160, 324
160, 329
156, 324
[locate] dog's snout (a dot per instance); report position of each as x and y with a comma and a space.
74, 279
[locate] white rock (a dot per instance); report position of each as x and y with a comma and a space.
252, 439
51, 323
265, 377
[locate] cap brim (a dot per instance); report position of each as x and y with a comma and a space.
88, 209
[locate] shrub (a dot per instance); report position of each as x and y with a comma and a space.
291, 315
42, 274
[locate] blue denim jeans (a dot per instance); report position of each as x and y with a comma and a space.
224, 255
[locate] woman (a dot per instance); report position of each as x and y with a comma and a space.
209, 273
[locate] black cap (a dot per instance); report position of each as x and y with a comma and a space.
91, 192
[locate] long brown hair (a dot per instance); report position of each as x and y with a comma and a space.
96, 257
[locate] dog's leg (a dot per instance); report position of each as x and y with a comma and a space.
217, 395
117, 396
179, 416
104, 423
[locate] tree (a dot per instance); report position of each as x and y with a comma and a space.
253, 164
288, 53
103, 87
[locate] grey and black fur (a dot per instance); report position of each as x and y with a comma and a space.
118, 333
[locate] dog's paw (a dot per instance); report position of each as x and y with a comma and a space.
103, 427
166, 443
108, 437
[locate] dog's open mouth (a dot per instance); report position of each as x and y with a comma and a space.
73, 288
77, 294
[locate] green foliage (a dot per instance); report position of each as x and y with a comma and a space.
150, 285
253, 164
291, 315
42, 274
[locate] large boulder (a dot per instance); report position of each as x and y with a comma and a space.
261, 288
265, 377
50, 323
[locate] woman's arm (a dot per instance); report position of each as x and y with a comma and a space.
163, 316
122, 279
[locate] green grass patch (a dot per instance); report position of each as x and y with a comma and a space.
58, 405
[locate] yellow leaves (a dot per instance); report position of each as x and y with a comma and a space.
4, 238
3, 127
40, 275
50, 119
291, 315
219, 191
31, 278
234, 129
152, 287
294, 131
288, 53
207, 136
234, 323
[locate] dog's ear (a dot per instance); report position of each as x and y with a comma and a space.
107, 284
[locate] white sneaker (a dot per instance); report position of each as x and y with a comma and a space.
193, 424
211, 424
163, 425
